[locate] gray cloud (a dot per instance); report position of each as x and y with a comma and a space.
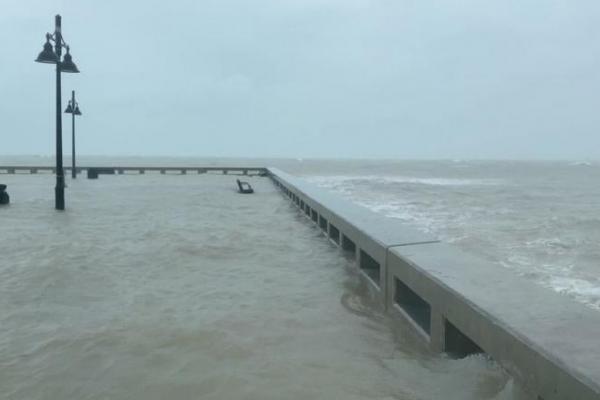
310, 78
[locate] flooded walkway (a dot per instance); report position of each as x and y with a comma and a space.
154, 287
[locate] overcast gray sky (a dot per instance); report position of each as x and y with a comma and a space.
309, 78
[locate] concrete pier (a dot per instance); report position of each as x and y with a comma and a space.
460, 304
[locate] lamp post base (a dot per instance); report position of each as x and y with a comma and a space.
59, 192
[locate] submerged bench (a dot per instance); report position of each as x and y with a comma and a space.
244, 187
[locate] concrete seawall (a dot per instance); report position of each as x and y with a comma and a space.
460, 304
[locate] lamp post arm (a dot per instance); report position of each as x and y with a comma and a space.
57, 42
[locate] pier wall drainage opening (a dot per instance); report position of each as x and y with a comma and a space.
457, 344
334, 234
323, 223
418, 310
348, 245
370, 267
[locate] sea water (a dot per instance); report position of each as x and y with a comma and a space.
174, 286
540, 220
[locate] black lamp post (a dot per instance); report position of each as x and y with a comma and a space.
73, 109
49, 56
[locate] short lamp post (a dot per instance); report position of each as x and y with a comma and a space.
73, 109
50, 56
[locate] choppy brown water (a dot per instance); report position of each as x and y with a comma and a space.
538, 219
154, 287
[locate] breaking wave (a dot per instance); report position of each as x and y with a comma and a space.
533, 229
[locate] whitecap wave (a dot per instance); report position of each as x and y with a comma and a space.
583, 290
581, 164
338, 179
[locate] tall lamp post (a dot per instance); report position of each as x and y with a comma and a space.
73, 109
49, 56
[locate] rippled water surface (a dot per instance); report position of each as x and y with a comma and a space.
176, 287
540, 220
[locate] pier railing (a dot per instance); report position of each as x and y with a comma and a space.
35, 169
